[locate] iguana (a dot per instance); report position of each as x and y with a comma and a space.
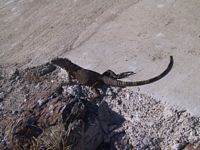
109, 78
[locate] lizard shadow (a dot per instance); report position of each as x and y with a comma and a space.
110, 121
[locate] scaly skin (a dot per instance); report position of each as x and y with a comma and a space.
109, 78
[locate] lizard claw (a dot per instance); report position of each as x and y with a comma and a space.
125, 74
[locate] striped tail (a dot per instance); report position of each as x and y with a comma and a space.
114, 82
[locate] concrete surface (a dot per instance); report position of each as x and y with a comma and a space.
33, 31
141, 39
100, 35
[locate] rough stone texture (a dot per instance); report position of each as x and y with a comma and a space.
151, 124
40, 111
43, 111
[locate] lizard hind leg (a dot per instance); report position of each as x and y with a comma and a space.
112, 74
96, 90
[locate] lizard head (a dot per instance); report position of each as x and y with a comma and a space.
61, 62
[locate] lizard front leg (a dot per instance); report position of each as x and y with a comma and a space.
95, 89
71, 79
112, 74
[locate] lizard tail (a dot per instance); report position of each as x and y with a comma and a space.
114, 82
